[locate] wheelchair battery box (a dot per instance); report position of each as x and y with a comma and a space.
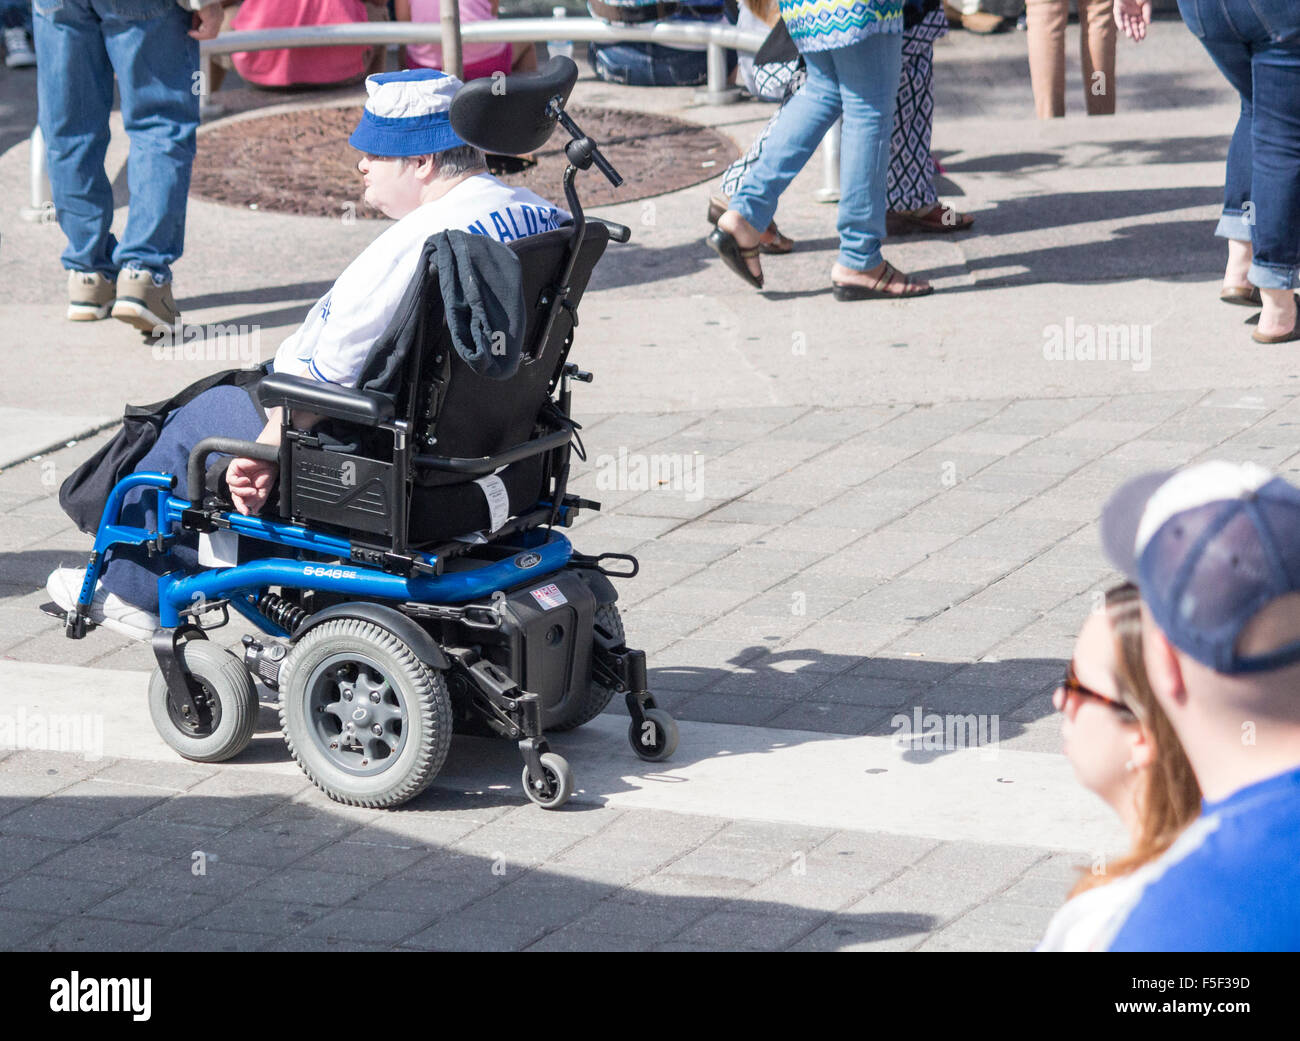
545, 637
336, 488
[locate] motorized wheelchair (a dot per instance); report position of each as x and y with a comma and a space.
386, 626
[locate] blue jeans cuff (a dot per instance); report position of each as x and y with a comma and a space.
1274, 276
1233, 225
747, 208
857, 263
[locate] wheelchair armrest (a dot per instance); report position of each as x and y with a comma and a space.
324, 399
488, 463
197, 469
617, 232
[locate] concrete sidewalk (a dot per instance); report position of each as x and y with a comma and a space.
885, 508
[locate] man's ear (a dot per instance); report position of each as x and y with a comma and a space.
1161, 660
426, 167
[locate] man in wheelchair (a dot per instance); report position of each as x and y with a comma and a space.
388, 515
415, 170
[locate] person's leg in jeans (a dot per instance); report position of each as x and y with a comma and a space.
222, 411
735, 173
795, 135
868, 74
1097, 35
1278, 132
16, 14
75, 95
1275, 181
1046, 34
1237, 216
155, 61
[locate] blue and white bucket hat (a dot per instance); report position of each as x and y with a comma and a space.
407, 113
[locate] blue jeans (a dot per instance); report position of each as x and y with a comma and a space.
80, 45
220, 412
860, 82
1256, 45
16, 14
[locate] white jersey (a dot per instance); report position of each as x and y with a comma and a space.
335, 337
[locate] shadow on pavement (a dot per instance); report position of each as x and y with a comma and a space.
930, 708
238, 868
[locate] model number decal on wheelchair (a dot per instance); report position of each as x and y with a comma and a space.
328, 572
549, 596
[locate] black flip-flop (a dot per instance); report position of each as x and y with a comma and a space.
725, 245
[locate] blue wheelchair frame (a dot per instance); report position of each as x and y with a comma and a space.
240, 584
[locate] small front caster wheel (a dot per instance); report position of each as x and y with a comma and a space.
220, 725
553, 789
656, 739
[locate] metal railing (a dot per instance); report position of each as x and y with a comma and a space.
714, 38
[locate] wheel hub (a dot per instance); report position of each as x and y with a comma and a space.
356, 715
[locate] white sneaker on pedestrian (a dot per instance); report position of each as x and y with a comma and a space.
18, 49
106, 609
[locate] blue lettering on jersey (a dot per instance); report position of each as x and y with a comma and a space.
503, 233
477, 228
530, 219
512, 223
325, 309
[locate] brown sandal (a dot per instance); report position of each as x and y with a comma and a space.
1244, 296
777, 243
938, 218
852, 291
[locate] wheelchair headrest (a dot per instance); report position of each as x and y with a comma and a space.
507, 115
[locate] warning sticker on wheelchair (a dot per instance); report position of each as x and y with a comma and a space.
549, 596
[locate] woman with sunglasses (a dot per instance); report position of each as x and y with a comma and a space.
1122, 748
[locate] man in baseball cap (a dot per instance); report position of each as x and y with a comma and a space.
1215, 550
416, 170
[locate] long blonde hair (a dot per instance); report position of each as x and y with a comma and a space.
1168, 796
767, 11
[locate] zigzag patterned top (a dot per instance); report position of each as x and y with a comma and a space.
824, 25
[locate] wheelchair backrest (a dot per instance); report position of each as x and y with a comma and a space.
475, 416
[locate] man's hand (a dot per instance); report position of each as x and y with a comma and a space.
250, 483
207, 22
1133, 16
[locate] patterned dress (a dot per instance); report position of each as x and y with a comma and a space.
825, 25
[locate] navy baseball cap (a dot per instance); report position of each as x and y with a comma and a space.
407, 113
1209, 546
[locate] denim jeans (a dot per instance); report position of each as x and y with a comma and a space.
80, 45
860, 82
1256, 45
133, 574
16, 14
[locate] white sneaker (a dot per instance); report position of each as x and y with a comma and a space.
18, 49
106, 609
